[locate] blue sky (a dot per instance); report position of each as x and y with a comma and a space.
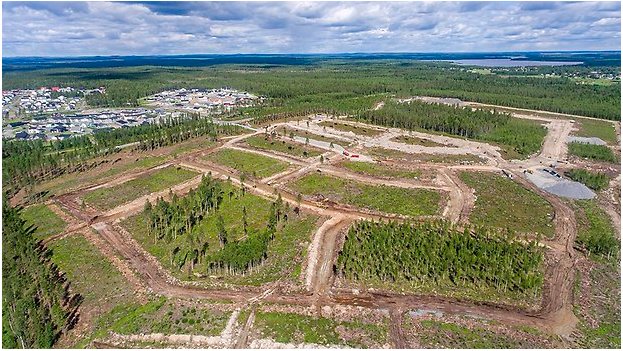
145, 28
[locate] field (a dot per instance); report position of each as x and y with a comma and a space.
592, 152
350, 128
596, 235
108, 198
417, 141
93, 276
377, 170
249, 163
283, 255
595, 181
600, 129
288, 147
502, 203
389, 154
47, 222
410, 202
289, 132
294, 328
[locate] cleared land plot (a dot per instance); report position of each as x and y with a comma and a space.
93, 276
284, 255
600, 129
294, 328
379, 170
167, 317
249, 163
471, 334
369, 132
288, 147
595, 233
108, 198
592, 152
47, 222
502, 203
418, 141
289, 132
390, 154
410, 202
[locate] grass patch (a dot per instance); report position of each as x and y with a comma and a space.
47, 222
167, 317
379, 170
595, 181
600, 129
417, 141
595, 233
369, 132
410, 202
249, 163
290, 132
396, 155
108, 198
593, 152
449, 335
287, 147
502, 203
283, 255
294, 328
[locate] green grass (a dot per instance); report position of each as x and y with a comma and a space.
294, 328
595, 181
284, 252
379, 170
369, 132
502, 203
396, 155
596, 233
288, 147
246, 162
167, 317
417, 141
437, 334
593, 152
410, 202
47, 222
600, 129
108, 198
139, 163
305, 134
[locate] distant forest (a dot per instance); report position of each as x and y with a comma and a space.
346, 86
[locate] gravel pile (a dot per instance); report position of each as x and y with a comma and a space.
585, 140
559, 186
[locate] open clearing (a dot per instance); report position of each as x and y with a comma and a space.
603, 130
47, 222
288, 147
502, 203
351, 128
409, 202
249, 163
379, 170
416, 141
109, 198
395, 155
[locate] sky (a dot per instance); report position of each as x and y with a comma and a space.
166, 28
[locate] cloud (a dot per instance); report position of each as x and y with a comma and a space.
135, 28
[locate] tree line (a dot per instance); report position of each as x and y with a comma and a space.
525, 137
438, 253
26, 163
37, 306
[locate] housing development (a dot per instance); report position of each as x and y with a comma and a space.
468, 200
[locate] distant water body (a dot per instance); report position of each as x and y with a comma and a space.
509, 63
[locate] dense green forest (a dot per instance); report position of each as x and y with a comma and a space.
524, 137
334, 85
594, 180
168, 220
36, 304
440, 254
26, 162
